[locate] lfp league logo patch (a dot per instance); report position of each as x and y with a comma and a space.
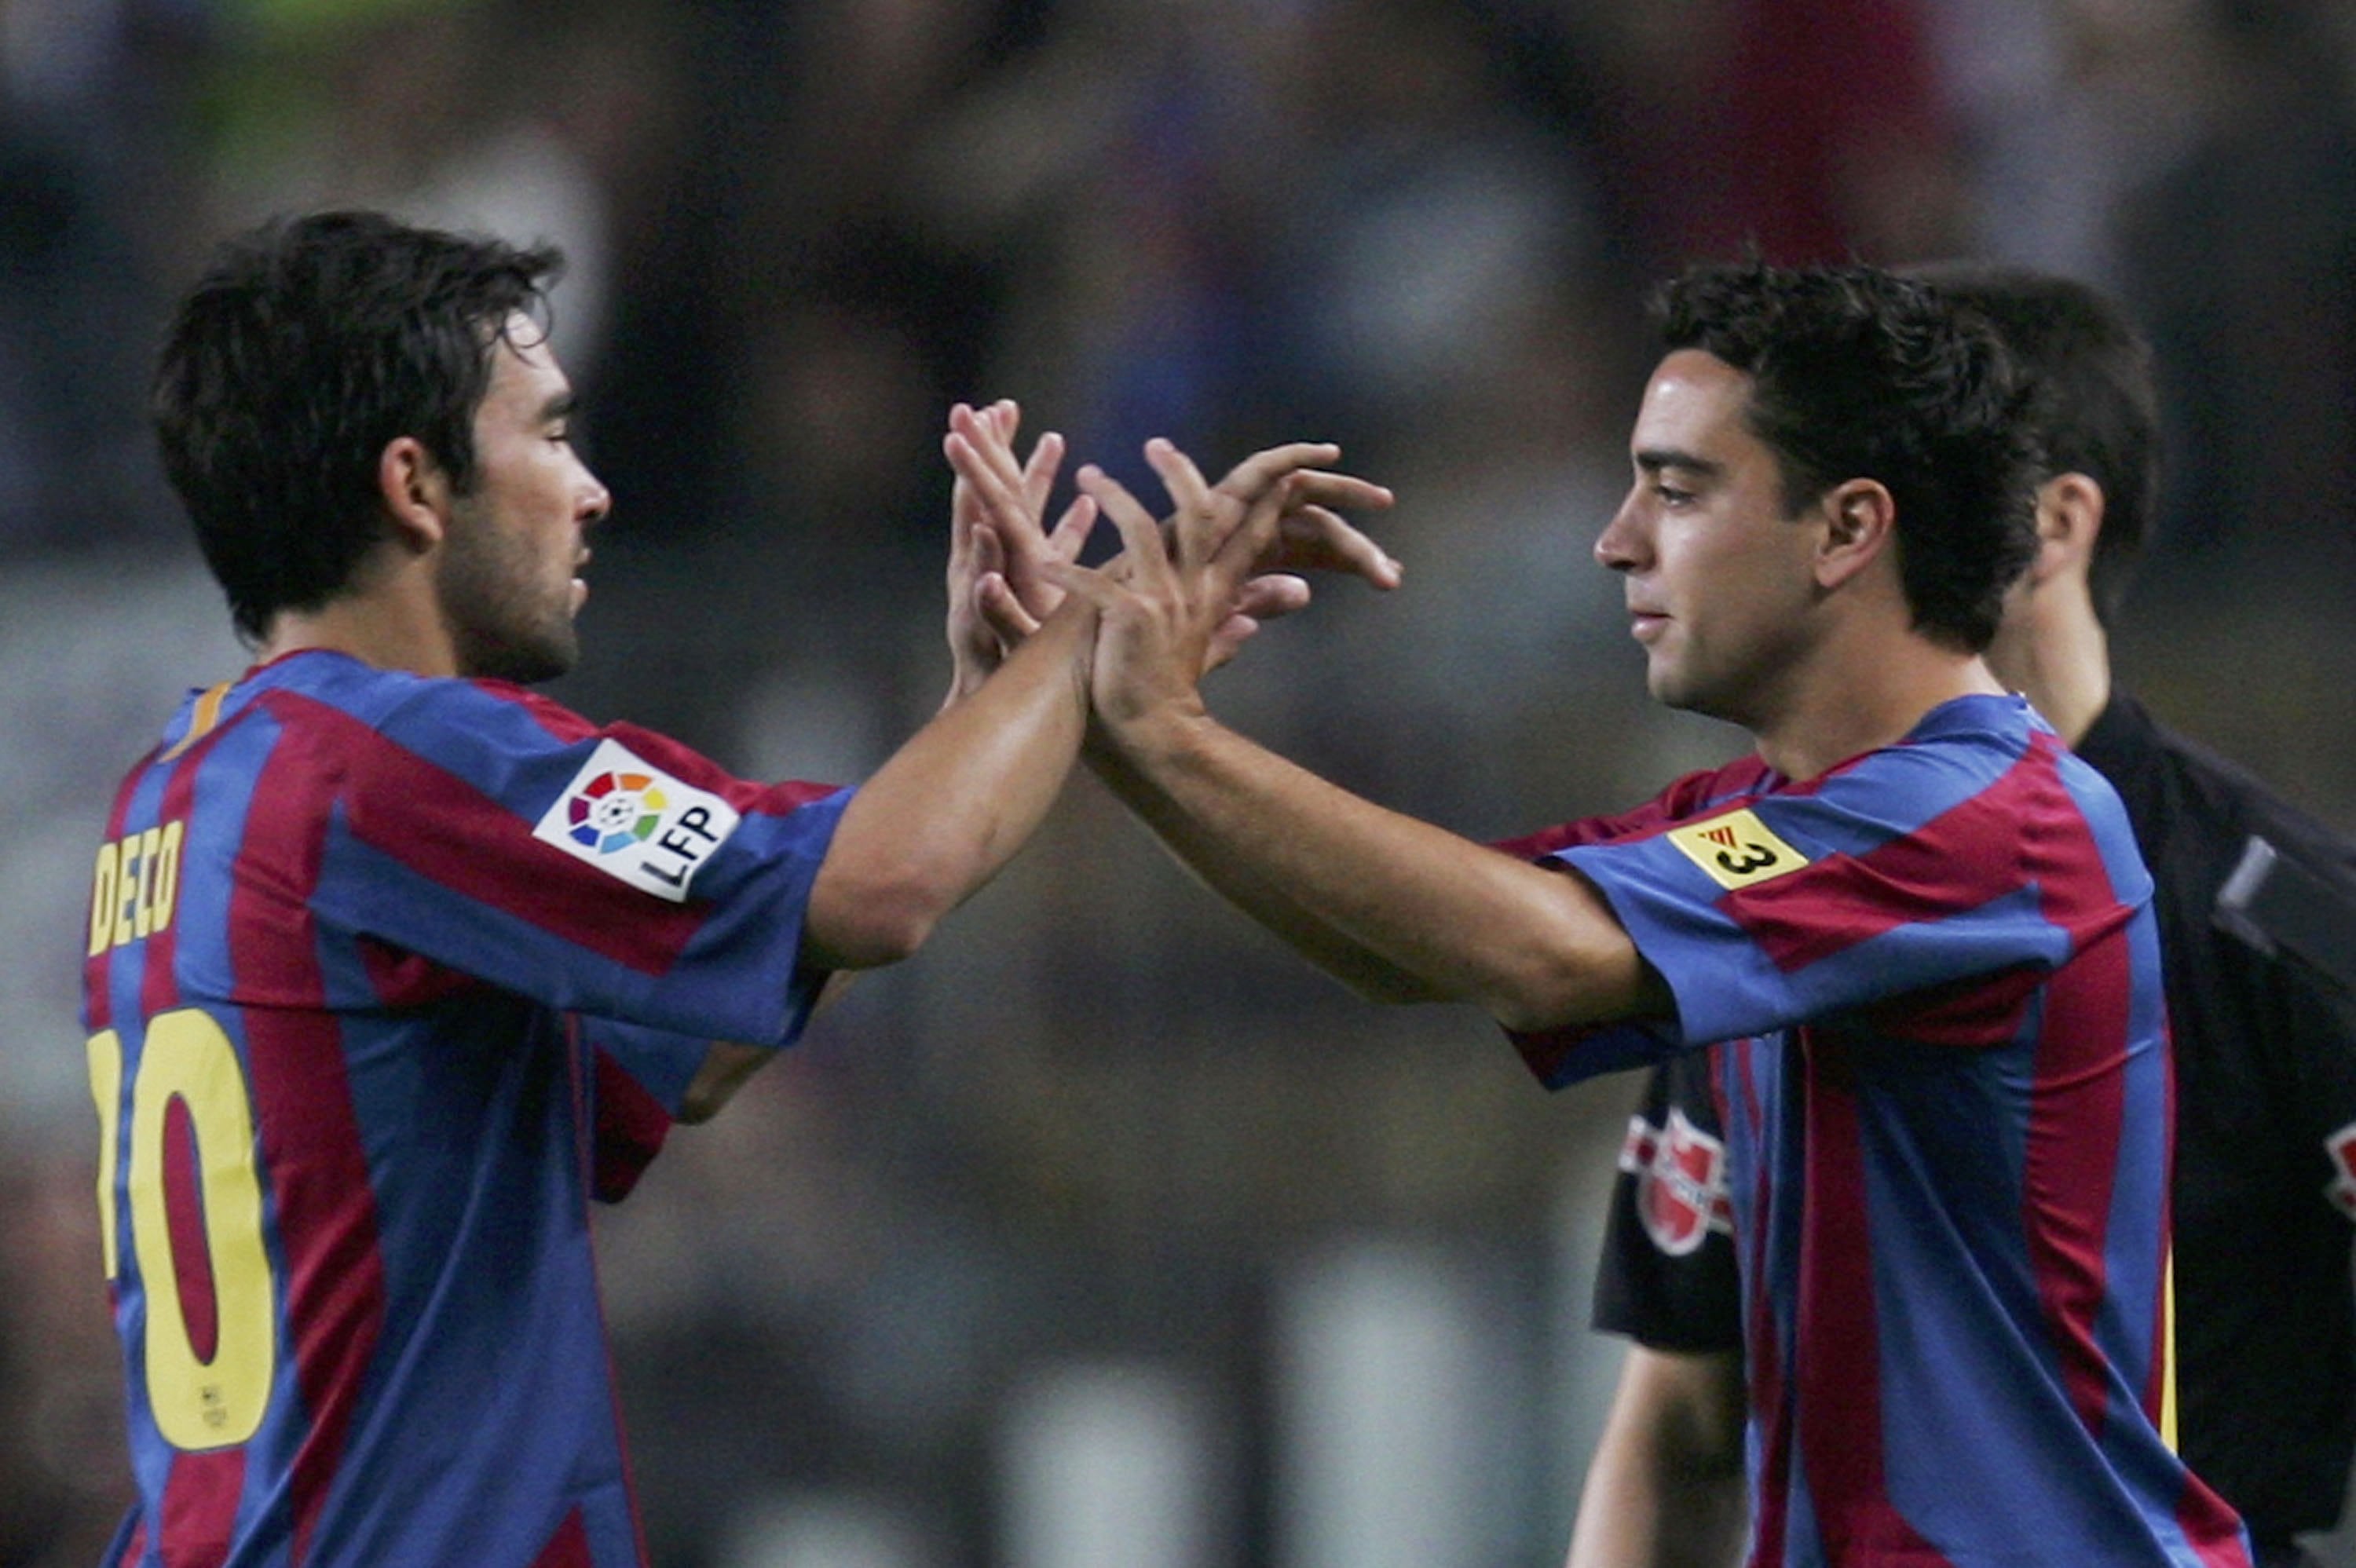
633, 821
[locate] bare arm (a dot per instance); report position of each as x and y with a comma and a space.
1395, 907
951, 807
1665, 1488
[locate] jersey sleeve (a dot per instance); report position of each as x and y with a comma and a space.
1913, 869
605, 872
1667, 1278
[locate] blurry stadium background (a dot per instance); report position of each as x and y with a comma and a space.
1103, 1233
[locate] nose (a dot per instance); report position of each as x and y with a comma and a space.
596, 501
1621, 544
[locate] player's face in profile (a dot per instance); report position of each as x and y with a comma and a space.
508, 576
1718, 575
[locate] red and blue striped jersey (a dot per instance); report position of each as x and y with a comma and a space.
365, 950
1943, 1078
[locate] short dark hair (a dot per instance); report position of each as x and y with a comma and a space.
1857, 373
309, 346
2093, 397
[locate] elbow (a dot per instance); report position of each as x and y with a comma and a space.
869, 923
1560, 990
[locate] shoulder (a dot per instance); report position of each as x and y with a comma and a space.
1695, 795
2211, 786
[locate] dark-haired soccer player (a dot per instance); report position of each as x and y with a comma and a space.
1914, 926
372, 924
2264, 1047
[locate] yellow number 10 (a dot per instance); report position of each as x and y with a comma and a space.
198, 1403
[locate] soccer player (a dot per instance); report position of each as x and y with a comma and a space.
386, 955
1913, 925
2265, 1048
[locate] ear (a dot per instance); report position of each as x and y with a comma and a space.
415, 491
1859, 519
2068, 522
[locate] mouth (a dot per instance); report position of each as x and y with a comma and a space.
1645, 624
580, 588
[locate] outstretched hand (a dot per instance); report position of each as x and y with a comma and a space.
1170, 603
978, 550
1016, 590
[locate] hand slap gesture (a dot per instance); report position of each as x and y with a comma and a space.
1172, 608
1015, 591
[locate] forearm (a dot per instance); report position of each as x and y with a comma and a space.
1366, 972
951, 807
1665, 1488
1391, 905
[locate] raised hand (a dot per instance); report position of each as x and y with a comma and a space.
1180, 595
1310, 536
978, 549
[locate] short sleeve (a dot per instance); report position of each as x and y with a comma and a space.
605, 872
1913, 869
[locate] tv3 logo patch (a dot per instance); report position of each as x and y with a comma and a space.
1736, 850
635, 822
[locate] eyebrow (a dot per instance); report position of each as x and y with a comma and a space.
563, 406
1653, 460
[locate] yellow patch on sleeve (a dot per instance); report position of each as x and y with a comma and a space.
1736, 850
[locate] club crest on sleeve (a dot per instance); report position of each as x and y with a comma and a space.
1680, 1173
631, 820
1737, 849
2342, 1147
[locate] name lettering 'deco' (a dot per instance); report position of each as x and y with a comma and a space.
133, 889
1736, 850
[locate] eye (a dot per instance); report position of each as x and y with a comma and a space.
1671, 495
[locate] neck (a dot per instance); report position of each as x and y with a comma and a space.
2053, 652
390, 619
2068, 679
1873, 697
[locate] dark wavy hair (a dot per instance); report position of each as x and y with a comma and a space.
1857, 373
2093, 396
309, 346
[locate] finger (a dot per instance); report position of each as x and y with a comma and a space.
1001, 611
1253, 477
1001, 501
1039, 471
1253, 538
1140, 536
1185, 482
1271, 596
981, 431
1227, 641
1346, 491
1073, 528
1313, 539
1199, 524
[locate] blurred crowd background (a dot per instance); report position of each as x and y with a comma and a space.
1103, 1233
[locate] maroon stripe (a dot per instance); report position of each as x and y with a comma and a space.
1838, 1331
1962, 858
309, 1133
568, 1548
184, 1224
159, 988
1771, 1531
201, 1498
2072, 1162
454, 834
